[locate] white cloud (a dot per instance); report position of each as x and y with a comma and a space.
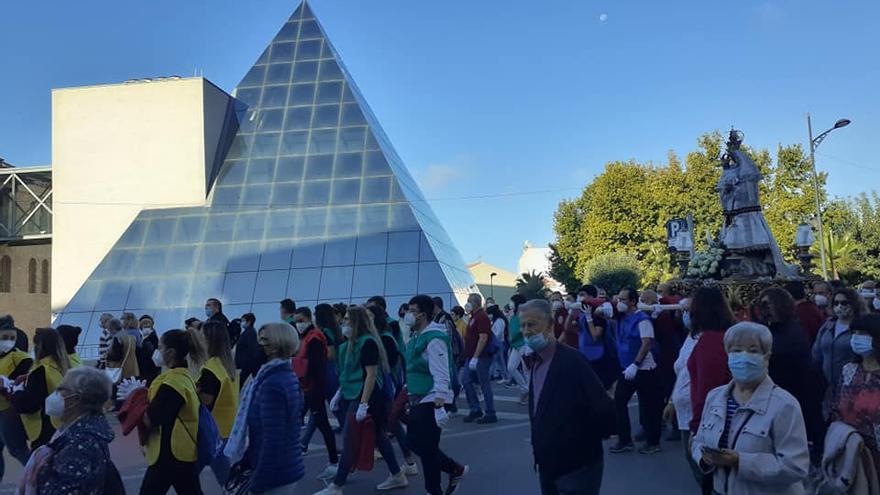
438, 176
603, 17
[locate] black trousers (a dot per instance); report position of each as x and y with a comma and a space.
322, 422
647, 384
584, 481
183, 476
423, 437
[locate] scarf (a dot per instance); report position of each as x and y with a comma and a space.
237, 444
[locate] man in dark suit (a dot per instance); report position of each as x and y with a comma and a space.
568, 407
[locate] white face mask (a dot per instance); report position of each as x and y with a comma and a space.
6, 346
876, 304
409, 319
622, 307
54, 405
158, 360
302, 326
346, 330
468, 307
820, 300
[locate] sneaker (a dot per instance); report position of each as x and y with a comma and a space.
410, 468
377, 455
330, 490
622, 447
524, 399
472, 416
650, 449
487, 419
394, 481
329, 472
455, 479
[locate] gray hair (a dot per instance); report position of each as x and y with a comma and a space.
477, 296
114, 325
91, 386
539, 306
747, 330
280, 336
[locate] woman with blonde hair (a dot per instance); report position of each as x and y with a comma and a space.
50, 365
363, 363
218, 388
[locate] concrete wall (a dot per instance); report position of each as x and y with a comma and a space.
30, 310
118, 149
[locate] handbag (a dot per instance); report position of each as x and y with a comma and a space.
239, 481
362, 443
115, 374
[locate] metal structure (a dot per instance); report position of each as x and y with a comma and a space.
25, 203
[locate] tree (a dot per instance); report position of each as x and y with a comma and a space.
563, 271
531, 286
613, 272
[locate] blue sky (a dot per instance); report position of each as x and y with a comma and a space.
519, 98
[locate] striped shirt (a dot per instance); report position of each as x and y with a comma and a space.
732, 408
104, 345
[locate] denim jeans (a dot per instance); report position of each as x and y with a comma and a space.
513, 363
12, 436
382, 443
470, 379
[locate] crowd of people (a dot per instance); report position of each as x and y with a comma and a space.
771, 397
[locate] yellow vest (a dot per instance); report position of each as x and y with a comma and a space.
186, 426
74, 360
226, 403
8, 363
33, 422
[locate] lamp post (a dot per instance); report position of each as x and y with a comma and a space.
804, 240
814, 143
492, 284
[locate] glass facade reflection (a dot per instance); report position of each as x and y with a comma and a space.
311, 202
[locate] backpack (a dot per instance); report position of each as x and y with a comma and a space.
455, 340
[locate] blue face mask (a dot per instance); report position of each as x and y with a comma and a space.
686, 319
863, 345
537, 342
208, 312
746, 367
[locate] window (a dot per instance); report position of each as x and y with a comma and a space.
5, 274
32, 276
44, 277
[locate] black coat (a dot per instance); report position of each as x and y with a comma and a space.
792, 369
572, 416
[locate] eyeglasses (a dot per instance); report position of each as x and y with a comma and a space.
841, 303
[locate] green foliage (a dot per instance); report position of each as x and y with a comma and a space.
624, 209
563, 271
531, 286
613, 271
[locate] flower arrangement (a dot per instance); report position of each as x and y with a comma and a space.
706, 264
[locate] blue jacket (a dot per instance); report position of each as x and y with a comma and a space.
274, 420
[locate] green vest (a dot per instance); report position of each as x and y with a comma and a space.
516, 337
418, 374
351, 374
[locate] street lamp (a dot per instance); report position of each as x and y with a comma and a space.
804, 240
814, 143
492, 284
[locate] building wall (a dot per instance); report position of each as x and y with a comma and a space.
503, 285
30, 309
118, 149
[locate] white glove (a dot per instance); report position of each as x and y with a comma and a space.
440, 417
334, 402
127, 387
472, 364
630, 372
6, 383
361, 413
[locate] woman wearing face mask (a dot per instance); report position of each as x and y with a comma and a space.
218, 388
752, 437
44, 377
172, 420
363, 364
832, 350
265, 436
149, 371
858, 404
517, 351
80, 454
313, 382
325, 319
14, 363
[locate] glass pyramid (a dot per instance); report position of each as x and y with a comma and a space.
311, 203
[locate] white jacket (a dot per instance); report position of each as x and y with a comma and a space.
847, 465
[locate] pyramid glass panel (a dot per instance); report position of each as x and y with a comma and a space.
311, 202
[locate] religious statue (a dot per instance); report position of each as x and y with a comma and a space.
751, 247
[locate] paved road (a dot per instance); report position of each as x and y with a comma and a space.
499, 456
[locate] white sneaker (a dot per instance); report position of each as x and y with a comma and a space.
410, 468
394, 481
330, 490
329, 472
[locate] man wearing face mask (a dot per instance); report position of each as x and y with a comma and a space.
637, 352
477, 371
214, 312
13, 364
568, 409
310, 364
428, 376
822, 297
249, 356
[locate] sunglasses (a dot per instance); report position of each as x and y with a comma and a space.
841, 303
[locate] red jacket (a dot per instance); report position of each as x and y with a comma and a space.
811, 318
707, 367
